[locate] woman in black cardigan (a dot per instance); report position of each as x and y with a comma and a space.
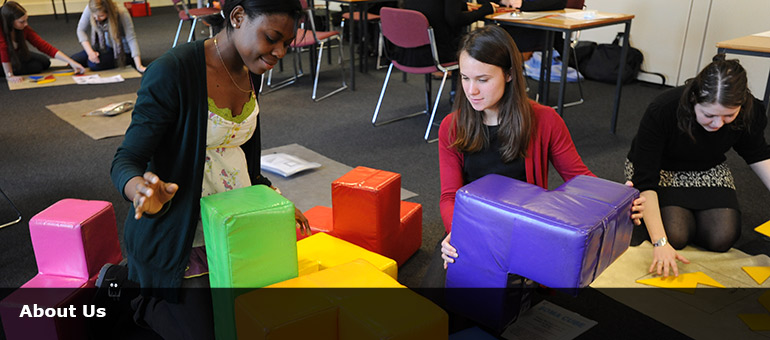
176, 136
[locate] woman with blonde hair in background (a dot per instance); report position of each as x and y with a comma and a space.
107, 35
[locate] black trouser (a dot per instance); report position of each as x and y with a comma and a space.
106, 60
34, 63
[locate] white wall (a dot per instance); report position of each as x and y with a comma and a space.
678, 37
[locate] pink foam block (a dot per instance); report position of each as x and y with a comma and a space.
75, 238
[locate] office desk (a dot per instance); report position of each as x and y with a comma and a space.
757, 45
553, 22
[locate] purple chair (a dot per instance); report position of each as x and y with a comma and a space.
562, 238
409, 29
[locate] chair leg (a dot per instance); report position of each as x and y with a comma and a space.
178, 29
192, 30
379, 103
318, 70
435, 106
428, 91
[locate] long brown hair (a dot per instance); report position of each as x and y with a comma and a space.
11, 11
723, 82
493, 45
109, 8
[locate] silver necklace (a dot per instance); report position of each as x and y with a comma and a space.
228, 71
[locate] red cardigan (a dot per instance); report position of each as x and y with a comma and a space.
33, 39
550, 142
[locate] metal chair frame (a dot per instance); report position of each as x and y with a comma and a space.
181, 6
444, 68
298, 72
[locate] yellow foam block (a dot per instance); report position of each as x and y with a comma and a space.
356, 274
688, 280
759, 274
322, 251
389, 312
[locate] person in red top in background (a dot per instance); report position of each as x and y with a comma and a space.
15, 55
498, 129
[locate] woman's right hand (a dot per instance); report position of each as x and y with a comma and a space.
665, 257
448, 253
15, 79
152, 194
93, 56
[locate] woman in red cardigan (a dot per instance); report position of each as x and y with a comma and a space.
497, 129
16, 57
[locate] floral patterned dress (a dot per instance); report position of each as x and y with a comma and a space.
225, 168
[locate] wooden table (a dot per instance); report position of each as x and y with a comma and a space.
757, 45
553, 22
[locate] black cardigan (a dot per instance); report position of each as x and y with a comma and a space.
167, 136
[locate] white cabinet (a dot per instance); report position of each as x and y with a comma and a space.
678, 37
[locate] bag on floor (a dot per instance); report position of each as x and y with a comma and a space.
604, 61
532, 68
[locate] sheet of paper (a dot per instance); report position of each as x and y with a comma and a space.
522, 15
759, 274
585, 15
547, 321
687, 280
96, 79
763, 34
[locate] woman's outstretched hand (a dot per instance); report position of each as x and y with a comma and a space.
665, 257
152, 194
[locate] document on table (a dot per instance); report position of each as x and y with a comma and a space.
522, 15
96, 79
585, 15
547, 321
763, 34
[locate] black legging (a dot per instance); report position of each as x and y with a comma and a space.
714, 229
35, 63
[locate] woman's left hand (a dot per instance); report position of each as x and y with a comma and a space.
140, 68
79, 69
302, 223
637, 209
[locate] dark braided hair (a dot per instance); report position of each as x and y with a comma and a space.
254, 8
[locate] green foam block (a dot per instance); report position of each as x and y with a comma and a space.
250, 243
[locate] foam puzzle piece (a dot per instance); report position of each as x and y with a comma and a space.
250, 243
366, 206
391, 312
72, 239
759, 274
763, 228
562, 238
686, 280
322, 251
320, 219
75, 238
507, 230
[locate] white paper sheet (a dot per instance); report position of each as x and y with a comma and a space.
522, 15
96, 79
547, 321
763, 34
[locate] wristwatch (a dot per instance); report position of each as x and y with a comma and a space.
660, 242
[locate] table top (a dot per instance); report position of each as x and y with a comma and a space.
571, 19
754, 43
